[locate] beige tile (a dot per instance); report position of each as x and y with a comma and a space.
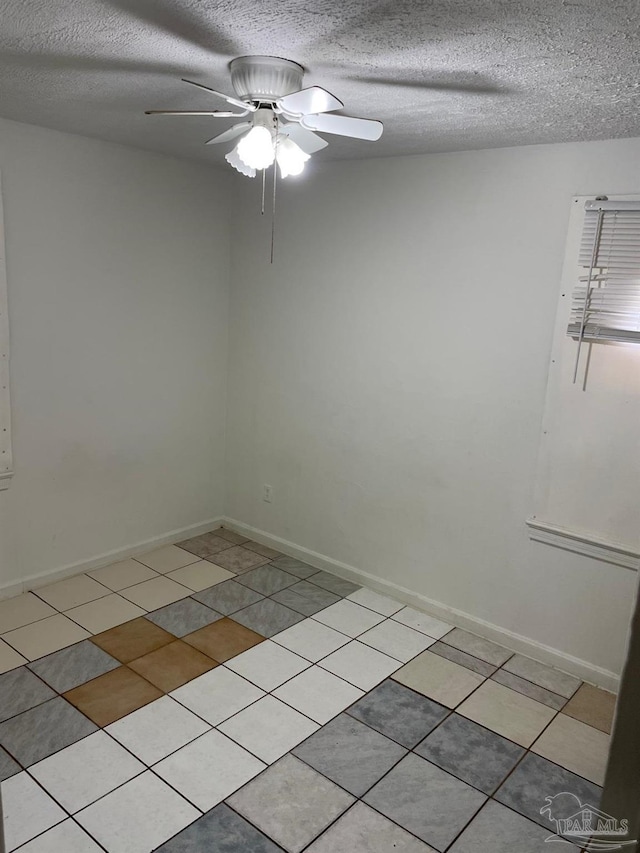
155, 593
72, 592
200, 575
576, 746
592, 706
9, 658
439, 679
120, 575
46, 636
167, 559
105, 613
22, 610
506, 712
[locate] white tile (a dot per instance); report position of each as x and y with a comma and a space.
22, 610
46, 636
575, 745
105, 613
375, 601
155, 593
318, 694
200, 575
167, 559
268, 728
217, 695
28, 811
360, 665
72, 592
311, 639
137, 817
66, 837
86, 770
9, 658
396, 640
267, 665
157, 729
209, 769
422, 622
348, 618
120, 575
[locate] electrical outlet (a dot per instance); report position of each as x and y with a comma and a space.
267, 493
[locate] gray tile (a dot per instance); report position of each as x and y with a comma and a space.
237, 559
8, 767
295, 567
227, 597
350, 753
496, 829
291, 803
432, 804
20, 690
184, 617
38, 733
205, 545
230, 536
73, 666
477, 646
398, 712
361, 830
334, 584
458, 656
472, 753
306, 598
220, 831
528, 688
267, 579
545, 676
267, 617
535, 779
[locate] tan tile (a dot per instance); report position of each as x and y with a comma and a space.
155, 593
205, 545
46, 636
438, 678
576, 746
200, 575
112, 696
238, 559
264, 550
167, 559
22, 610
592, 706
9, 658
72, 592
133, 639
223, 639
172, 666
97, 616
506, 712
230, 536
120, 575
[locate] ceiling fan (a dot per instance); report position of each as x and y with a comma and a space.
283, 118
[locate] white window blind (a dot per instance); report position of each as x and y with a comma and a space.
605, 304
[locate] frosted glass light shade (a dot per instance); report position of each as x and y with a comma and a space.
235, 161
256, 148
291, 158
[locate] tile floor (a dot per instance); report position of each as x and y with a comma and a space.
220, 696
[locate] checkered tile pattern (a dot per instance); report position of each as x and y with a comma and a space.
219, 696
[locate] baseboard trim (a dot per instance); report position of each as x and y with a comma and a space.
532, 648
44, 578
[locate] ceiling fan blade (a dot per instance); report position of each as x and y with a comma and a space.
228, 98
357, 128
231, 133
312, 100
216, 113
304, 139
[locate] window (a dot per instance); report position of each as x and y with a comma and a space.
6, 466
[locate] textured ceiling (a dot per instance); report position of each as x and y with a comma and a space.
443, 75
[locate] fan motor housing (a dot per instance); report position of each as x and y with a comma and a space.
265, 78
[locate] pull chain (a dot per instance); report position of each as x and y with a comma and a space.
273, 212
264, 181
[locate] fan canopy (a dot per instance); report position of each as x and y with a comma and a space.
265, 78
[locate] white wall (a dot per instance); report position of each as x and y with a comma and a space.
387, 378
118, 268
